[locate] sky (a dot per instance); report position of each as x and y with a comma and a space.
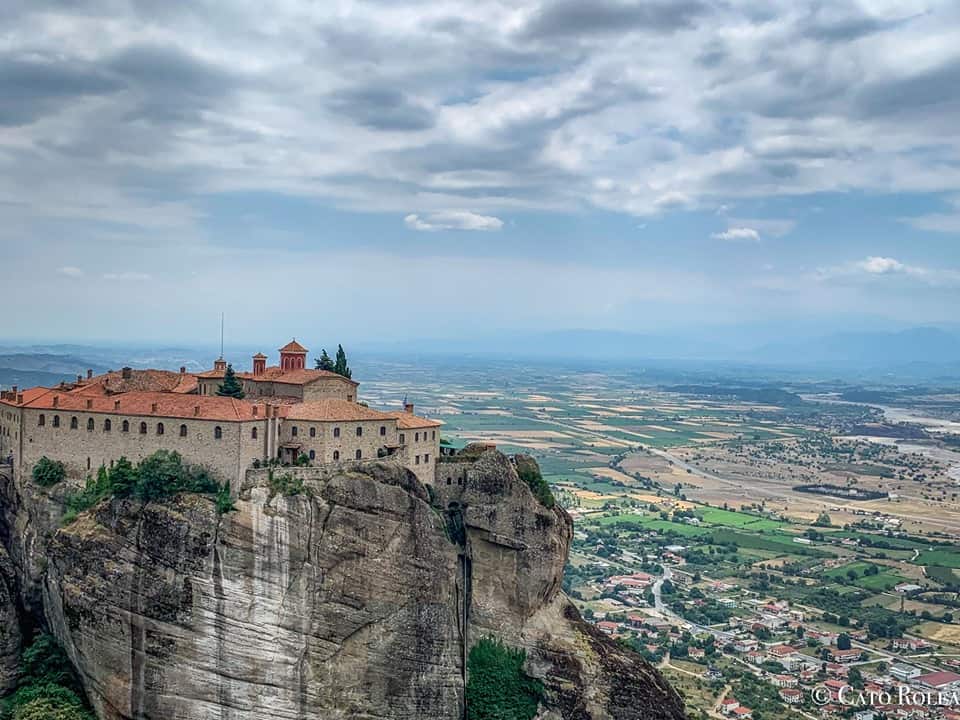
394, 170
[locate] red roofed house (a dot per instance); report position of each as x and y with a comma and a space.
944, 681
791, 696
288, 412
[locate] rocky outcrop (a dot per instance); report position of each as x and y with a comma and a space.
357, 597
10, 639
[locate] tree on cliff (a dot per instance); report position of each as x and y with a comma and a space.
231, 385
340, 367
324, 362
498, 688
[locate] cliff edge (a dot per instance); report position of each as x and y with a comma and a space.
347, 592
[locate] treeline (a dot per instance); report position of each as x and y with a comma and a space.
765, 396
48, 688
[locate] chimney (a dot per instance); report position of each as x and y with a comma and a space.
116, 405
89, 373
255, 411
183, 370
126, 373
220, 365
259, 364
196, 411
56, 401
13, 389
79, 379
153, 407
89, 403
19, 398
408, 408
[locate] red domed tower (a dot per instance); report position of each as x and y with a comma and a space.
293, 356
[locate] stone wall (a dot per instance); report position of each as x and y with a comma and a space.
339, 441
83, 451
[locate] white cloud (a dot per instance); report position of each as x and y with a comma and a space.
875, 267
70, 271
126, 276
883, 266
738, 234
453, 220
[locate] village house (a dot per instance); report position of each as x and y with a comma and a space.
910, 644
784, 681
791, 696
845, 656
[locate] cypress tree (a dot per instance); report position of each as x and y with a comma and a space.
231, 385
324, 362
340, 366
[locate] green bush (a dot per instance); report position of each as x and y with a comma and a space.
497, 686
158, 476
286, 484
48, 688
529, 472
48, 472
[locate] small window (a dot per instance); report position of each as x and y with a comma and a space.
126, 426
336, 432
383, 430
160, 429
56, 421
313, 455
416, 437
403, 439
293, 430
433, 435
183, 431
359, 431
359, 454
417, 460
42, 420
90, 425
218, 433
88, 463
107, 425
426, 458
143, 428
449, 481
336, 455
313, 432
253, 433
74, 424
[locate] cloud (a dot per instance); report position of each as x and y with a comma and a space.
382, 109
453, 220
946, 222
562, 18
70, 271
738, 234
875, 267
884, 266
127, 276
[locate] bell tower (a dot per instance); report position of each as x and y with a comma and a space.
293, 356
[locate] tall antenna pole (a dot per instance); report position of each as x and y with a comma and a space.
221, 334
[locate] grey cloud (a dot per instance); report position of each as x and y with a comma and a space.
382, 109
564, 18
913, 94
35, 85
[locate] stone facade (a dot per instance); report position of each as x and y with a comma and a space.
286, 414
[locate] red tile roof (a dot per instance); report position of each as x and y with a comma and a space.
294, 347
274, 373
332, 410
112, 383
936, 679
142, 403
409, 421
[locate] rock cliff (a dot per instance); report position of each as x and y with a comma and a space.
357, 595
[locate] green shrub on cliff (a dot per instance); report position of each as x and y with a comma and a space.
157, 476
497, 686
529, 472
48, 688
48, 472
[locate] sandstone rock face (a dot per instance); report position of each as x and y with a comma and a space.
9, 626
359, 597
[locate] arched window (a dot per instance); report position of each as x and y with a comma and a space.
74, 423
160, 429
336, 455
313, 455
42, 420
293, 430
359, 431
56, 421
336, 432
107, 425
416, 437
253, 433
183, 431
359, 454
218, 433
383, 430
126, 426
90, 424
143, 428
449, 481
313, 432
